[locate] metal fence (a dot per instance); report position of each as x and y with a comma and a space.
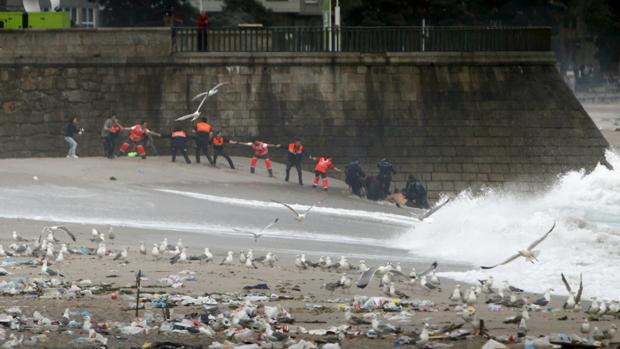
362, 39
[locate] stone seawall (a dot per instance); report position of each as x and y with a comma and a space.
455, 120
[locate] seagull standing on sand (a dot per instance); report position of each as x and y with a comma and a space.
142, 248
195, 115
155, 251
49, 272
208, 256
529, 253
261, 232
299, 216
471, 298
228, 259
544, 301
456, 295
18, 238
101, 250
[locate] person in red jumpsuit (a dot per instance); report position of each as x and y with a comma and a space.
323, 163
261, 151
137, 137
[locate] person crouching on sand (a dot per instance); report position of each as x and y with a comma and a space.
261, 151
137, 135
323, 163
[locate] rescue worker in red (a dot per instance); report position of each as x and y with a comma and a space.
295, 155
218, 149
203, 138
261, 151
178, 141
201, 22
137, 135
320, 170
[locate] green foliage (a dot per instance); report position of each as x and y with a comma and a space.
237, 12
119, 13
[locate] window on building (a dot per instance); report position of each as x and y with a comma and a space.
83, 17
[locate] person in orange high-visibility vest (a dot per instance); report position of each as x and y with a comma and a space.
137, 136
323, 163
178, 141
261, 151
203, 139
218, 149
295, 155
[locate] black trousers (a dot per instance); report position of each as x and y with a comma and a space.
109, 143
180, 148
202, 40
356, 185
202, 147
220, 152
290, 165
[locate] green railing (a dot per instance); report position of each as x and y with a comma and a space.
362, 39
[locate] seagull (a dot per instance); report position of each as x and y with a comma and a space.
101, 250
367, 276
111, 235
47, 271
204, 95
456, 295
53, 229
122, 254
471, 297
544, 301
261, 232
142, 248
529, 254
18, 238
180, 257
60, 257
155, 251
208, 256
585, 326
299, 216
573, 299
228, 259
427, 285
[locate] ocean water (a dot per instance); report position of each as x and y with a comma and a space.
486, 229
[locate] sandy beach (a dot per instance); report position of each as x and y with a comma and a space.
81, 195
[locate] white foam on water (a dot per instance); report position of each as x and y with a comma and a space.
488, 228
342, 212
211, 229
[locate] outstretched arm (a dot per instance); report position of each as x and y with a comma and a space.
153, 133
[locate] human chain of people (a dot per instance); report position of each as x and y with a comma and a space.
211, 144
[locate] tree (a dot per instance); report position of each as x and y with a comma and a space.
120, 13
235, 12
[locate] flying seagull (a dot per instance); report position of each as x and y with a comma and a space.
57, 228
298, 216
432, 211
574, 298
367, 276
260, 233
529, 254
195, 115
